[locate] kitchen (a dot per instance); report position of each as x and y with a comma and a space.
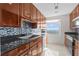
23, 29
16, 24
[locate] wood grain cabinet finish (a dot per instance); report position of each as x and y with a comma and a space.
33, 14
30, 49
9, 19
13, 8
19, 51
73, 15
26, 10
16, 11
78, 10
76, 48
9, 16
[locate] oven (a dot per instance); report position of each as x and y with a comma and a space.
70, 45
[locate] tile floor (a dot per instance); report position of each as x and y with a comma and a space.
55, 50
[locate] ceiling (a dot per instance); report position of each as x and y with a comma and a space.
48, 9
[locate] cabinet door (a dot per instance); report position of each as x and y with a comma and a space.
33, 50
26, 13
13, 8
13, 52
9, 19
21, 49
33, 14
39, 19
78, 10
40, 47
76, 49
42, 21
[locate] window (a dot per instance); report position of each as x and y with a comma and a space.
53, 26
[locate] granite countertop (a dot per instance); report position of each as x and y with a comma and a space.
20, 39
73, 35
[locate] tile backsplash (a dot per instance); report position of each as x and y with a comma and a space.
24, 29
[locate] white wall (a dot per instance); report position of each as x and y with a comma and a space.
59, 38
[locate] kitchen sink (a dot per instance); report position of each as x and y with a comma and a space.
27, 37
34, 36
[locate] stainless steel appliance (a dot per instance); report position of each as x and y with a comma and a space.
69, 44
75, 22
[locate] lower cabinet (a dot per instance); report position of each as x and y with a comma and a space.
11, 53
23, 50
76, 48
33, 48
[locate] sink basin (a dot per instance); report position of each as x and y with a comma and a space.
34, 36
25, 37
30, 36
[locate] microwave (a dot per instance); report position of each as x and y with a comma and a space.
75, 22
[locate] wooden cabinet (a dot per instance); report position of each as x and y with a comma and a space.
36, 47
76, 48
23, 50
39, 19
9, 19
78, 10
11, 53
19, 51
26, 10
9, 16
33, 14
40, 46
73, 15
33, 48
13, 8
15, 11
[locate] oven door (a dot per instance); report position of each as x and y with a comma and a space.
69, 43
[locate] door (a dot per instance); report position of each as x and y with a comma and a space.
54, 31
33, 14
9, 19
26, 12
13, 8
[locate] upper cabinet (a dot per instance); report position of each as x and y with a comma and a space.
33, 14
74, 14
78, 10
9, 16
13, 8
40, 20
9, 19
26, 10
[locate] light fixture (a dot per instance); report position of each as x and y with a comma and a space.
56, 7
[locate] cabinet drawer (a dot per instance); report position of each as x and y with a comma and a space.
21, 49
13, 53
33, 50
